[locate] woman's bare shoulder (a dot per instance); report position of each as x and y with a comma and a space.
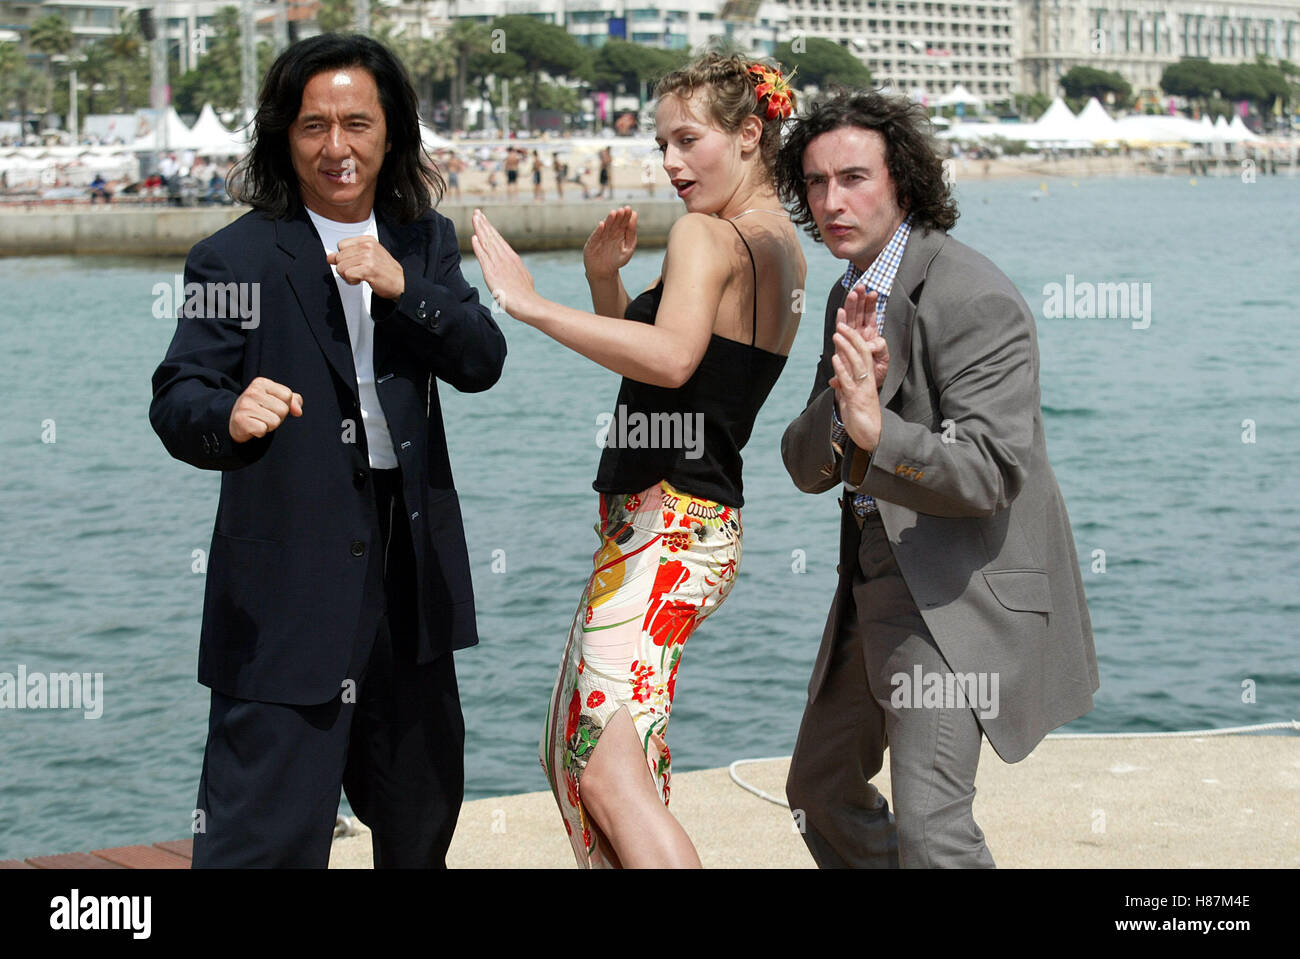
703, 240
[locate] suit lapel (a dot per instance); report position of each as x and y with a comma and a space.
312, 282
900, 311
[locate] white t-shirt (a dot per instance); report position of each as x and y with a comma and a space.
361, 331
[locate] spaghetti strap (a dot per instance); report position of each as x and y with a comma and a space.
753, 337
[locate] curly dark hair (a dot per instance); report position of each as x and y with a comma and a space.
911, 153
409, 183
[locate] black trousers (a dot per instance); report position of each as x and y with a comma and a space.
394, 741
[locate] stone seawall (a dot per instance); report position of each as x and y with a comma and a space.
171, 231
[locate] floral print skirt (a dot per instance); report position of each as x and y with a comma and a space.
666, 560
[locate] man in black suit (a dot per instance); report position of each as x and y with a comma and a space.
303, 367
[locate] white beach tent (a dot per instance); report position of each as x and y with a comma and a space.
1057, 126
213, 139
1095, 124
959, 94
981, 132
431, 140
179, 136
1153, 130
1239, 132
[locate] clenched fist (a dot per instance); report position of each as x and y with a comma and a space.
261, 408
364, 258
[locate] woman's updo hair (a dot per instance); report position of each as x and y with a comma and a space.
730, 93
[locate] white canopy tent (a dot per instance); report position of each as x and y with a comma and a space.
960, 95
179, 136
1240, 134
1095, 124
214, 139
433, 141
1057, 126
982, 131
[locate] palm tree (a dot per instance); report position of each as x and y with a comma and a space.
11, 61
124, 49
20, 82
51, 36
426, 60
95, 67
460, 44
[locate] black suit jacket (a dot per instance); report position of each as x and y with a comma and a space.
293, 568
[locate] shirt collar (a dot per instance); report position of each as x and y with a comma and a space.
879, 276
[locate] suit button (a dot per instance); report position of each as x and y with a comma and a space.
358, 548
359, 479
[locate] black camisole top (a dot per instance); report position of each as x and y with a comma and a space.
691, 436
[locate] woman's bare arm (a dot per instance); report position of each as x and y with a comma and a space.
696, 269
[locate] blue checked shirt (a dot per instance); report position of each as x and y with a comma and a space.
880, 278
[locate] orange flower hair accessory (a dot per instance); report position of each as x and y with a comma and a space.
772, 84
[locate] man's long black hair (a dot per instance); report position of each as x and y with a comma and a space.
409, 183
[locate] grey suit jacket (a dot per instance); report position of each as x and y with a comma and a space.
965, 490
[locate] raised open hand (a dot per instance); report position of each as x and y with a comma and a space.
611, 244
859, 313
508, 280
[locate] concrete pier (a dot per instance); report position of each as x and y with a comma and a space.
170, 231
1214, 802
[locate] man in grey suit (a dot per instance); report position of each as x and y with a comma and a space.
960, 609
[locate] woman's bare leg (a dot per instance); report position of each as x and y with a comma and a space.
620, 795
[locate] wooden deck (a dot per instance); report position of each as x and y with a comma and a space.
172, 854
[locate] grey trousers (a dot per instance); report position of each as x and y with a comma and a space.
933, 751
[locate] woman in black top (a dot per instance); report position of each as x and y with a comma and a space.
698, 351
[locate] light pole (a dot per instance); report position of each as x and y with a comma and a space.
247, 59
72, 103
160, 92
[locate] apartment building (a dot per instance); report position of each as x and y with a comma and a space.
1139, 38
